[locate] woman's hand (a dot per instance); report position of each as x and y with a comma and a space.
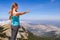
27, 11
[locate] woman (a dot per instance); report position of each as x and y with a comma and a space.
14, 17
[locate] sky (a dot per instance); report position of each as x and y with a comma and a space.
39, 9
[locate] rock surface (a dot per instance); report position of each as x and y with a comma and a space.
22, 33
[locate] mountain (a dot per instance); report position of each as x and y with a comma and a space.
41, 29
34, 31
31, 36
38, 29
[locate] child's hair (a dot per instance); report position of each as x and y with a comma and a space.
11, 11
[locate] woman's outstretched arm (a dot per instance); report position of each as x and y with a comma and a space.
21, 13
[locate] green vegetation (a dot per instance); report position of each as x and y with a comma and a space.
2, 34
34, 37
30, 37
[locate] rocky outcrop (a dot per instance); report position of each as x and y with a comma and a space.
22, 33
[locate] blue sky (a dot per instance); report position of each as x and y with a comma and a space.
39, 9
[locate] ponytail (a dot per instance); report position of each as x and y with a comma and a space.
11, 11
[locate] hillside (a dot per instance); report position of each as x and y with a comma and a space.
33, 32
31, 36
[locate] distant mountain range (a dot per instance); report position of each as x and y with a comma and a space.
42, 29
38, 29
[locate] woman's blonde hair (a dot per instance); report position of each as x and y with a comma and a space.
13, 5
11, 11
